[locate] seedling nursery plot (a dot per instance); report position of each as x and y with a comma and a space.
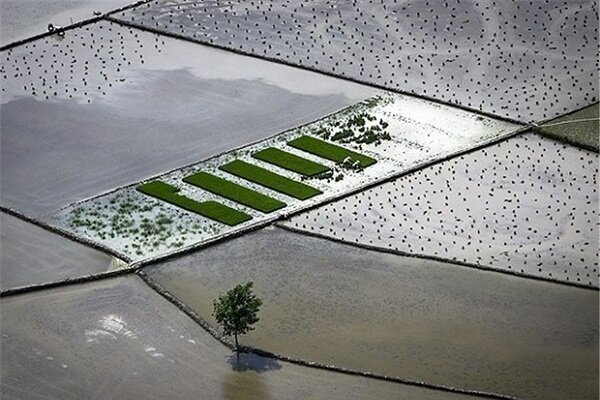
209, 209
290, 162
234, 192
272, 178
330, 151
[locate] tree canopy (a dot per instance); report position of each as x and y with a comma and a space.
237, 310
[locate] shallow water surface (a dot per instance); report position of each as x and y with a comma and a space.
119, 339
32, 255
107, 106
401, 316
498, 56
20, 19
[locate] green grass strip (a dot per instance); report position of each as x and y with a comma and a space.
329, 151
290, 162
235, 192
270, 179
210, 209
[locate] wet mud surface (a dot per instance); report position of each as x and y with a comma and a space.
31, 255
120, 339
105, 106
580, 128
501, 57
527, 205
406, 317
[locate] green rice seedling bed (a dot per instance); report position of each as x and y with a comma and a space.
210, 209
235, 192
329, 151
290, 162
270, 180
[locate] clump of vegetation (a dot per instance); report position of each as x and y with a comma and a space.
237, 311
127, 216
343, 134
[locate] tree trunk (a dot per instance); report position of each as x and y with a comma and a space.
237, 347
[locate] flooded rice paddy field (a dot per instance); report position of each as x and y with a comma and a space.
526, 205
580, 128
120, 339
497, 56
110, 105
106, 105
418, 132
22, 19
408, 317
31, 255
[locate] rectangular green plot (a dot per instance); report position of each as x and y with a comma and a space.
210, 209
235, 192
270, 179
290, 161
329, 151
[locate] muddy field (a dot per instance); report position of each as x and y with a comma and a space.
31, 255
579, 128
22, 19
527, 205
119, 339
400, 316
495, 56
113, 106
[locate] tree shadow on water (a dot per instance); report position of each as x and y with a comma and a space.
247, 380
252, 362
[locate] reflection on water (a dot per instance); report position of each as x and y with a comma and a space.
247, 382
251, 362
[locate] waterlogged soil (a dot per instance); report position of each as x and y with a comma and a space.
32, 255
22, 19
120, 339
455, 50
114, 105
581, 127
526, 205
407, 317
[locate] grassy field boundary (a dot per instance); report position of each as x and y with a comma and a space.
234, 192
209, 209
290, 161
270, 180
329, 151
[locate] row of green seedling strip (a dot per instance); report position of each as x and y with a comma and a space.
329, 151
270, 180
235, 192
261, 176
210, 209
290, 161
